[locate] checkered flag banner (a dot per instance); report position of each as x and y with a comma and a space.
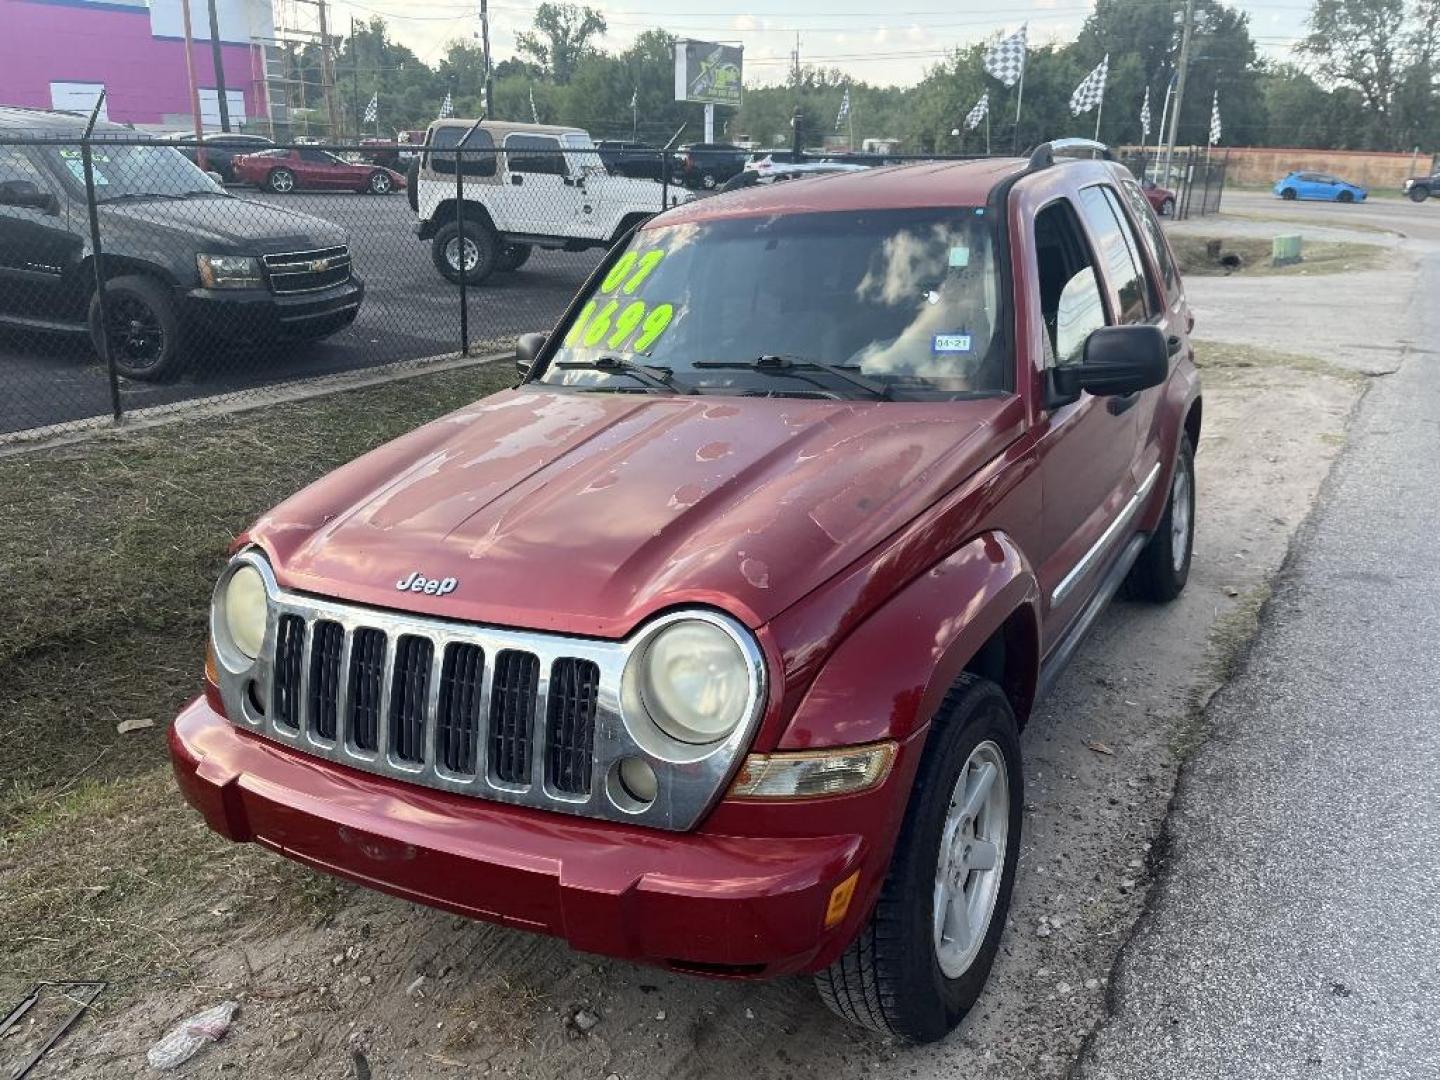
447, 107
1215, 118
372, 111
1145, 116
975, 115
1006, 58
844, 109
1091, 90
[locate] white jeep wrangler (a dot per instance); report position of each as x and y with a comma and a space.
541, 186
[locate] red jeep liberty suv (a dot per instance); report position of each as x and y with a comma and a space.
709, 643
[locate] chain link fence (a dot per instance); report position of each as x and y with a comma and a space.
305, 261
1189, 183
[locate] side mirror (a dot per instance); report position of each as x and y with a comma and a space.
26, 193
1118, 360
526, 350
216, 177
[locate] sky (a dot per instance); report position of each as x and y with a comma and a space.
867, 39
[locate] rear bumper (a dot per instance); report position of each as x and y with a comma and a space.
713, 904
241, 315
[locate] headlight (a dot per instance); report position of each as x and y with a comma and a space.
694, 681
243, 611
229, 271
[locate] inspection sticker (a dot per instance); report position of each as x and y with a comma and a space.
959, 257
947, 343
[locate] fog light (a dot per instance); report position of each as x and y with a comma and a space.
638, 780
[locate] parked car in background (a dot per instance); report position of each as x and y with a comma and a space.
1420, 188
221, 149
1161, 199
770, 172
776, 157
635, 159
707, 165
525, 186
710, 642
191, 263
311, 168
1313, 185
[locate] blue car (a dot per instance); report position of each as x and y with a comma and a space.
1314, 185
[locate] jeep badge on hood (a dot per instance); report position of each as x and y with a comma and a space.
418, 582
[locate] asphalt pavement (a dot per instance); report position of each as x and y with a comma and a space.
409, 312
1294, 929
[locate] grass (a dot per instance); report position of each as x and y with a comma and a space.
1218, 356
1320, 257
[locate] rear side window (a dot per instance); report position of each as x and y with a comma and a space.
1153, 237
1071, 304
476, 164
535, 154
1118, 251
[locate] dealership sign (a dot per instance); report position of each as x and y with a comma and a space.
708, 73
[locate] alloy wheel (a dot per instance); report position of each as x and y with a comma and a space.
452, 254
135, 332
282, 181
380, 184
972, 858
1181, 510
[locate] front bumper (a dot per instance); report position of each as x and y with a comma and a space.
258, 315
729, 905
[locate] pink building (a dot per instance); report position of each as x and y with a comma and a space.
59, 53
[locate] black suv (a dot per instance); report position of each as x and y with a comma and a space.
1420, 188
636, 159
185, 261
707, 165
221, 148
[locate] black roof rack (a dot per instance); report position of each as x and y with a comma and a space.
1043, 156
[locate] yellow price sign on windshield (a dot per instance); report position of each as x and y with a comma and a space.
606, 321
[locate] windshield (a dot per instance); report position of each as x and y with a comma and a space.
909, 300
148, 169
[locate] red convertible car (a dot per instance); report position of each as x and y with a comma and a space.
282, 170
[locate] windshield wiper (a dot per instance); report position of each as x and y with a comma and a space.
790, 364
153, 195
657, 378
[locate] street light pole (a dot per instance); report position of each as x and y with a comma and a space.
217, 56
1184, 67
485, 47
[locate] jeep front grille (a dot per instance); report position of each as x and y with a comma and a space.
308, 271
508, 715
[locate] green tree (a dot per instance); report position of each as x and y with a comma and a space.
562, 36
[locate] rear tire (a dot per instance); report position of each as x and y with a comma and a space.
893, 977
512, 257
708, 181
144, 329
280, 181
1419, 194
1160, 573
1167, 208
379, 183
1288, 194
412, 186
482, 252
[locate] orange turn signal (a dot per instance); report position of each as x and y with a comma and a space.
212, 670
840, 898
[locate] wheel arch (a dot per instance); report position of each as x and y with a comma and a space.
1192, 422
978, 611
445, 213
123, 266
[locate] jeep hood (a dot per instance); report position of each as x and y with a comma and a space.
584, 513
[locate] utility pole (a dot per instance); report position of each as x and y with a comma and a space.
194, 86
327, 72
219, 61
485, 48
355, 76
1185, 35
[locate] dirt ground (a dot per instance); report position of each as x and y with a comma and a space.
336, 982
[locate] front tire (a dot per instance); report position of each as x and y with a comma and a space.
482, 252
1419, 194
1345, 197
1160, 573
920, 962
280, 181
143, 328
1167, 208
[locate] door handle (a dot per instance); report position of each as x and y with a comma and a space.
514, 179
1173, 344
